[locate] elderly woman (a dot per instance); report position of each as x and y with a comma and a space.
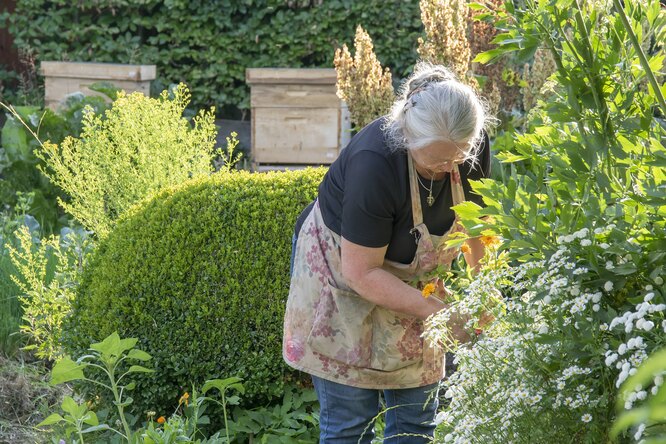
354, 317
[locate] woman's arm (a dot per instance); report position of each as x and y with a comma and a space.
474, 256
362, 268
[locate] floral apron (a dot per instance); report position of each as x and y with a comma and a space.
333, 333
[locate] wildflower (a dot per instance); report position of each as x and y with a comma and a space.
586, 242
586, 417
608, 286
604, 245
603, 327
658, 280
465, 248
648, 297
428, 290
161, 420
184, 399
639, 432
490, 241
647, 325
610, 359
440, 418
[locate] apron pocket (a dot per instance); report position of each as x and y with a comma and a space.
396, 340
342, 327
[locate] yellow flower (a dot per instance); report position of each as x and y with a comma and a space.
465, 248
184, 399
161, 420
428, 290
490, 241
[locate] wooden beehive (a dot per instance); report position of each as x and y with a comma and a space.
296, 116
64, 78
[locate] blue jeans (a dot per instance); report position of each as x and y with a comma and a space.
347, 413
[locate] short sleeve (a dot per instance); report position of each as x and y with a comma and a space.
369, 200
477, 170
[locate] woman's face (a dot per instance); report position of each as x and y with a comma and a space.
439, 157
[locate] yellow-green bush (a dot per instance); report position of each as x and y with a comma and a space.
200, 274
141, 146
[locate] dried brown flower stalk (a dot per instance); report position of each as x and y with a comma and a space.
535, 77
361, 82
446, 42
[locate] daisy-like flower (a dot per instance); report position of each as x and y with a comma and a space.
586, 418
465, 248
490, 241
608, 286
428, 289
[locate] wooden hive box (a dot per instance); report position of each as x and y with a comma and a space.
64, 78
297, 118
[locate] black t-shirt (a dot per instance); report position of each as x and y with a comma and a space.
365, 195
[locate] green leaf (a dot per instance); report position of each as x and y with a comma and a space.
67, 370
139, 355
53, 418
223, 384
96, 428
627, 419
109, 346
140, 369
70, 406
489, 56
91, 419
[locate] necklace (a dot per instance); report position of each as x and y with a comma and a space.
429, 200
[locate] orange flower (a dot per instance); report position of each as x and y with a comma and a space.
428, 290
465, 248
184, 398
490, 241
161, 420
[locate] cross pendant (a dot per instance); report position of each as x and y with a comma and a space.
430, 200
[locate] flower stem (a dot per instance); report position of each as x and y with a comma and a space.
641, 55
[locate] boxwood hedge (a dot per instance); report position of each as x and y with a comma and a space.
200, 274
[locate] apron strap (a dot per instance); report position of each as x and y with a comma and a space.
417, 212
457, 192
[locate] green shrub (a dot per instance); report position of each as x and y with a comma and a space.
208, 45
200, 273
141, 146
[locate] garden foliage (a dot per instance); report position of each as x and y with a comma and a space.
47, 272
138, 147
200, 274
584, 265
208, 45
19, 141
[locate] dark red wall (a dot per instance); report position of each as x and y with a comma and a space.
8, 54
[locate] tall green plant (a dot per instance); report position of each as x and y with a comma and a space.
46, 296
583, 229
141, 146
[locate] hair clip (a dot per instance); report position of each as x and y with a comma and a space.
408, 104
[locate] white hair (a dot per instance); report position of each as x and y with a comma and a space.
434, 106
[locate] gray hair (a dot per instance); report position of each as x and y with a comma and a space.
434, 106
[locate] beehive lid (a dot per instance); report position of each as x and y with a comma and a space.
102, 71
310, 76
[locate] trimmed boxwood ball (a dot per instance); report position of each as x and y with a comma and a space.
200, 275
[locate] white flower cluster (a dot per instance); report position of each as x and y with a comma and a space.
507, 396
632, 352
506, 376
